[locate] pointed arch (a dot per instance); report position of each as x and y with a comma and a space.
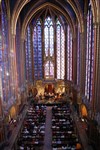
94, 10
32, 14
18, 7
78, 15
89, 55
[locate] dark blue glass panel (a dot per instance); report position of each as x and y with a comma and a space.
29, 77
37, 50
4, 55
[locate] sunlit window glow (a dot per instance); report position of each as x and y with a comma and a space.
89, 56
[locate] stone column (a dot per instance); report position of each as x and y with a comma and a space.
13, 66
82, 64
83, 42
96, 100
23, 77
74, 62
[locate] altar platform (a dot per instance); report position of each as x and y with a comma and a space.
51, 101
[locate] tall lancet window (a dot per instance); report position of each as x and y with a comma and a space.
48, 48
28, 55
1, 92
69, 54
78, 57
49, 69
5, 65
60, 37
37, 50
89, 55
1, 57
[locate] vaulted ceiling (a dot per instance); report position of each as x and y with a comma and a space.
70, 10
66, 5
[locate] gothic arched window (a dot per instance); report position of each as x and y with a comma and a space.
48, 37
4, 54
69, 54
28, 55
48, 54
60, 40
89, 55
37, 50
48, 48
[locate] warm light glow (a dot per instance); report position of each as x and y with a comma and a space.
12, 112
78, 146
84, 111
82, 119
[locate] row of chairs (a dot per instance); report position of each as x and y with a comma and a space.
33, 130
64, 136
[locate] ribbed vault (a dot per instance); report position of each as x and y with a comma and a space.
72, 9
53, 11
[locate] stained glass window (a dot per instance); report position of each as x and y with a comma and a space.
49, 48
49, 70
1, 95
49, 37
89, 55
4, 55
43, 57
69, 54
60, 50
28, 56
78, 57
1, 49
37, 50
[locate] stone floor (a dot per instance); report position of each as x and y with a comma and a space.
48, 131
